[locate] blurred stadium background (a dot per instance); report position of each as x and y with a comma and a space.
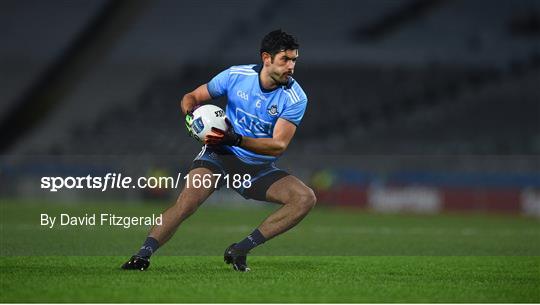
414, 105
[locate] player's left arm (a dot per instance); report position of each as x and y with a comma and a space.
274, 146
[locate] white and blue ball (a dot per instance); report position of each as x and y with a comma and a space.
206, 117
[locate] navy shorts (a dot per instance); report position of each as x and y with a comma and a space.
220, 161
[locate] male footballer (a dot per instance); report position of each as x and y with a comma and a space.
265, 106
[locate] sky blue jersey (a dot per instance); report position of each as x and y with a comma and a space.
253, 110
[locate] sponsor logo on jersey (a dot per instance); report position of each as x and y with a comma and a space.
252, 124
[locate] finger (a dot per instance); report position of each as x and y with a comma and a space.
215, 136
218, 131
211, 142
213, 139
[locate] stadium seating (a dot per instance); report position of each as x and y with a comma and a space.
429, 86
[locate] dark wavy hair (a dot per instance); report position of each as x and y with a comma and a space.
277, 41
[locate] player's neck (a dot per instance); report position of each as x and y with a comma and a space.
266, 81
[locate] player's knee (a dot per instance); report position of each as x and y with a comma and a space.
311, 199
306, 199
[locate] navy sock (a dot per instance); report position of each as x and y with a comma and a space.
251, 241
149, 247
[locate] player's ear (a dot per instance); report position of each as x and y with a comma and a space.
266, 58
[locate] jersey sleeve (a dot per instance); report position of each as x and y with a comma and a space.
295, 112
218, 85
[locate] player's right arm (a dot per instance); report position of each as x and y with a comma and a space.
215, 88
195, 98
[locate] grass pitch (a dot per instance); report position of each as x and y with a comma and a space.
337, 256
274, 279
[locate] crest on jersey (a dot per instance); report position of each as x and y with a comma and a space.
272, 110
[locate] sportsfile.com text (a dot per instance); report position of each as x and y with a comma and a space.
119, 181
